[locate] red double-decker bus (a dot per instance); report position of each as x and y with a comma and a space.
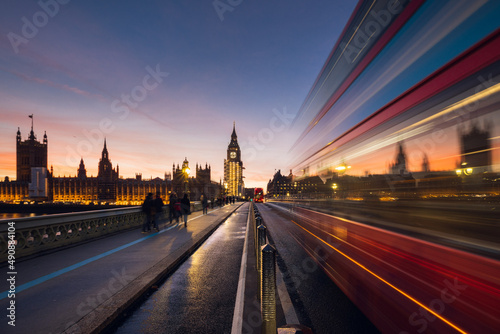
412, 89
258, 196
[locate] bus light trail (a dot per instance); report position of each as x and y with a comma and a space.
386, 282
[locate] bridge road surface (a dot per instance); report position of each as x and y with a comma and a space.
79, 289
199, 297
318, 302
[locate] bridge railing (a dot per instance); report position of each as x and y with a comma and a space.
36, 234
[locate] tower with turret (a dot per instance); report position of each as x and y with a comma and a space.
30, 153
233, 167
106, 177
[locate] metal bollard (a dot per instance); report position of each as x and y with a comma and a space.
252, 212
268, 289
258, 222
261, 241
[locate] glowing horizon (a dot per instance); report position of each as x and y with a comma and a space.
161, 81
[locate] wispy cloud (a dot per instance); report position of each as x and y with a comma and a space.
57, 85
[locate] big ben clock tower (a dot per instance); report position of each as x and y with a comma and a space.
233, 168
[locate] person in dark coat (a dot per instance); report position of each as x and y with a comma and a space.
172, 212
147, 208
185, 208
204, 203
158, 209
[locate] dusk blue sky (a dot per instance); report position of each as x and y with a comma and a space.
89, 63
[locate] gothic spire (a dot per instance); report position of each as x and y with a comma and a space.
105, 151
82, 172
233, 135
234, 138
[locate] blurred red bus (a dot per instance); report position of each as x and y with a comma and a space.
258, 195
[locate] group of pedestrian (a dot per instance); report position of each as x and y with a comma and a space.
152, 207
179, 207
225, 200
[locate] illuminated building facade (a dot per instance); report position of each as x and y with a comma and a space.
106, 187
184, 182
281, 185
233, 168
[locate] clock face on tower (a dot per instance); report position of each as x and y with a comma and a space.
232, 155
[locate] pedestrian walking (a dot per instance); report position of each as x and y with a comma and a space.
185, 208
204, 203
158, 210
178, 209
172, 213
147, 208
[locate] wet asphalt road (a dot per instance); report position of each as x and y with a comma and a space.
199, 297
318, 302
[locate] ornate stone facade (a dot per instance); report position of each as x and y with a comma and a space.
233, 168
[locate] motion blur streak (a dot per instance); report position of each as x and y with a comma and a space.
423, 281
396, 173
489, 92
383, 280
342, 76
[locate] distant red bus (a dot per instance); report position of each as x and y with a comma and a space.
258, 196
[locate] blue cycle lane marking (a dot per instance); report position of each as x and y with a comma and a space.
79, 264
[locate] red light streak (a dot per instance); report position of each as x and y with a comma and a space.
384, 281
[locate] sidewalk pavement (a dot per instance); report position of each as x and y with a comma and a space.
200, 227
86, 288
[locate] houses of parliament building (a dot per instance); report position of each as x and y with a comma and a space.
34, 182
